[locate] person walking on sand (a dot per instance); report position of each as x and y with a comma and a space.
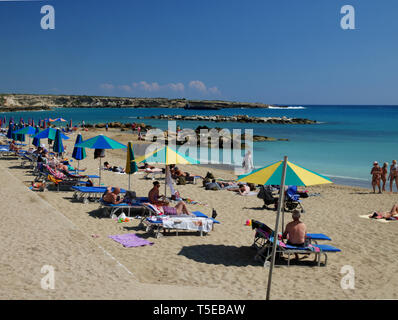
376, 173
393, 175
106, 126
384, 172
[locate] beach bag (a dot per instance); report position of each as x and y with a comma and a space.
181, 181
209, 175
99, 153
205, 182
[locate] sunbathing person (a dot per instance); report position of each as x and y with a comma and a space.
386, 215
13, 146
295, 232
107, 166
154, 198
148, 168
112, 196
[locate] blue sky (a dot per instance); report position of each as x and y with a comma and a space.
271, 51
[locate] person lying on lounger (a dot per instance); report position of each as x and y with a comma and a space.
154, 198
107, 166
112, 196
386, 215
13, 146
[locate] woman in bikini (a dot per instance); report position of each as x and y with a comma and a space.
386, 215
376, 176
384, 173
393, 175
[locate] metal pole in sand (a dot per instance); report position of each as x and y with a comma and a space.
280, 204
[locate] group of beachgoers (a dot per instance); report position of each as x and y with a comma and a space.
380, 174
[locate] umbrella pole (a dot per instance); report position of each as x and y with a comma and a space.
165, 182
129, 182
99, 170
280, 203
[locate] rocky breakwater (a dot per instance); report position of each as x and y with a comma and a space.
237, 118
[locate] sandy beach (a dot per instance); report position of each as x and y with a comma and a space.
49, 228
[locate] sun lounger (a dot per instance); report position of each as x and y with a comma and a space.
84, 194
136, 208
263, 242
201, 223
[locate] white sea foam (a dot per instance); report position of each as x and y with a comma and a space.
296, 108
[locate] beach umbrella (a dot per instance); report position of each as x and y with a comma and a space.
17, 136
10, 130
70, 123
36, 141
57, 120
281, 173
166, 155
78, 153
101, 142
131, 165
26, 130
50, 133
58, 146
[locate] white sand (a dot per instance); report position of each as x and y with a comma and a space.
49, 228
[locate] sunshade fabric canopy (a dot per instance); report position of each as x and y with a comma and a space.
101, 142
166, 155
131, 165
295, 175
57, 120
50, 134
78, 153
58, 146
27, 130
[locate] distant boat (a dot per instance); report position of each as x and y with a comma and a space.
200, 107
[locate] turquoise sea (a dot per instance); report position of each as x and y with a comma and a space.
343, 145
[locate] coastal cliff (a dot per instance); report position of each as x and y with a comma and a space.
23, 102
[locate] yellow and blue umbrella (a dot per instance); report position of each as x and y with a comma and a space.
131, 165
281, 173
295, 175
167, 156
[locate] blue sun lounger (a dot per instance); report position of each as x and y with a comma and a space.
263, 241
83, 194
136, 206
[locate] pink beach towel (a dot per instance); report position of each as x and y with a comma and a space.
130, 240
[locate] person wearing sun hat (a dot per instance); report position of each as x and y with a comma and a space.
376, 173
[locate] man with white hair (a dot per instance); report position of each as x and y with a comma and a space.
295, 231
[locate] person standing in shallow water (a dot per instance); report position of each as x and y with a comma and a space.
393, 175
384, 174
376, 173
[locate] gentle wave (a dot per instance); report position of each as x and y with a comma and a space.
344, 177
296, 108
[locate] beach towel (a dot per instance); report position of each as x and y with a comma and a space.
366, 216
129, 240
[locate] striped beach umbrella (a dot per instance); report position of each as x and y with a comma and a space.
58, 145
101, 142
78, 152
295, 175
281, 173
131, 165
166, 155
26, 131
50, 133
